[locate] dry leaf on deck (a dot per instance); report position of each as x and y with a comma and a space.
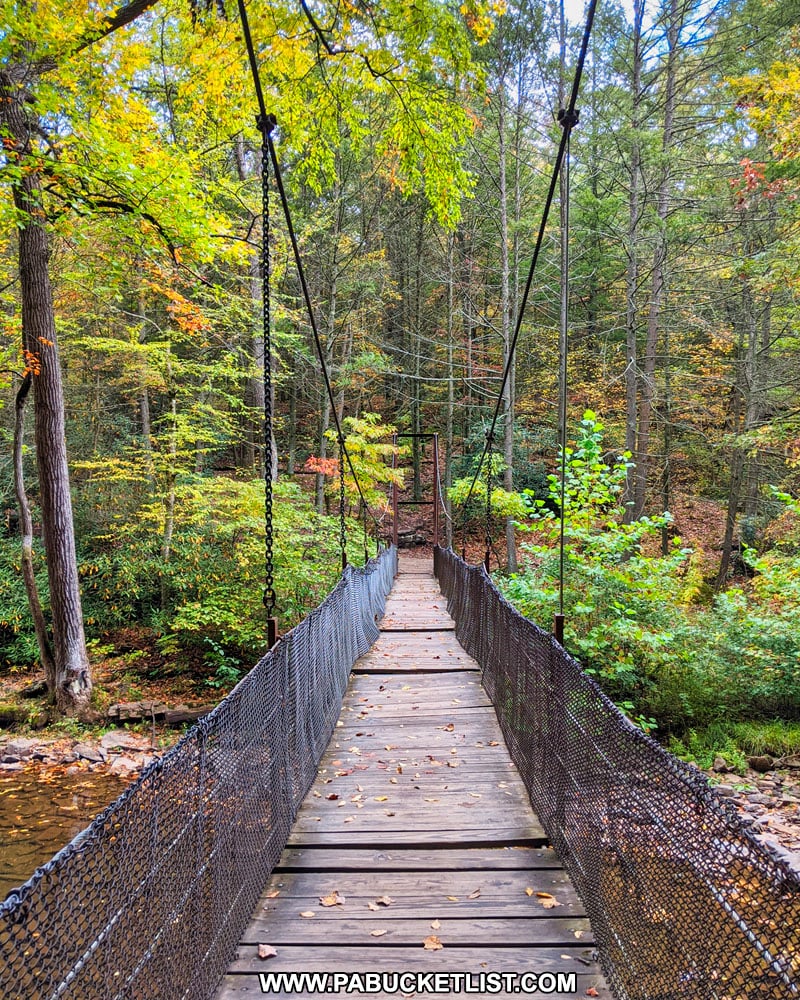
547, 901
475, 894
274, 894
529, 891
332, 899
436, 924
592, 992
372, 906
432, 943
384, 900
266, 951
307, 914
377, 933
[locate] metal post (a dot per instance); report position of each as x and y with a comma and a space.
558, 627
436, 490
394, 492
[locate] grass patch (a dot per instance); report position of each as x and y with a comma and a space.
736, 741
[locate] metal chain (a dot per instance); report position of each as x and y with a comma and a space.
342, 525
266, 124
489, 443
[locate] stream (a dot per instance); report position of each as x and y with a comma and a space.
41, 811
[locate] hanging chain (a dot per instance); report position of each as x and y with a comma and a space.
489, 443
342, 525
266, 124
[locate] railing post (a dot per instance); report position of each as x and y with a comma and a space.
394, 491
436, 490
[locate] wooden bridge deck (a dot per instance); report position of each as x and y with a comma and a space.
417, 832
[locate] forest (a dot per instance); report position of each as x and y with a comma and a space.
416, 145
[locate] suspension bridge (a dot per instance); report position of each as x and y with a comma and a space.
469, 804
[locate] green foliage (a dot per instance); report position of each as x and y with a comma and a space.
365, 439
627, 610
503, 504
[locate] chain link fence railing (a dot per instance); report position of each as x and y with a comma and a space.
148, 903
684, 902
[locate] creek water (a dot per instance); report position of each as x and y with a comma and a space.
41, 812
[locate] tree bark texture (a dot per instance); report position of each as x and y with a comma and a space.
73, 676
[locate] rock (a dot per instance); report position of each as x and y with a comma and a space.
760, 800
9, 758
726, 791
36, 690
21, 747
762, 764
11, 767
720, 765
120, 738
136, 711
90, 753
123, 765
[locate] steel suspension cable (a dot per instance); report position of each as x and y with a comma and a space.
266, 123
558, 619
568, 119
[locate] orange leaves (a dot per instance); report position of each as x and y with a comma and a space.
33, 363
323, 466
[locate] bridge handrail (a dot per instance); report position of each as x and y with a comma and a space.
150, 900
683, 900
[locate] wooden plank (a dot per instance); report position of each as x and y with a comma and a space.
477, 836
333, 957
415, 860
357, 930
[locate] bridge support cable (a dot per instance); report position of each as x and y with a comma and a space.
568, 118
266, 124
567, 123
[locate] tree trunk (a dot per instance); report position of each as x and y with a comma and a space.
73, 675
632, 271
647, 382
26, 531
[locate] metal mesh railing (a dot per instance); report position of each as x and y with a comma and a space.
683, 901
149, 901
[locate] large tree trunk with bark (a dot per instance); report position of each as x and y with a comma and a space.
73, 677
26, 533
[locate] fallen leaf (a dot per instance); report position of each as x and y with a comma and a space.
332, 899
384, 900
436, 924
474, 894
377, 933
332, 797
432, 943
274, 894
349, 819
453, 899
474, 795
529, 891
578, 934
381, 798
373, 906
266, 951
592, 992
547, 901
307, 914
392, 781
494, 743
449, 728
